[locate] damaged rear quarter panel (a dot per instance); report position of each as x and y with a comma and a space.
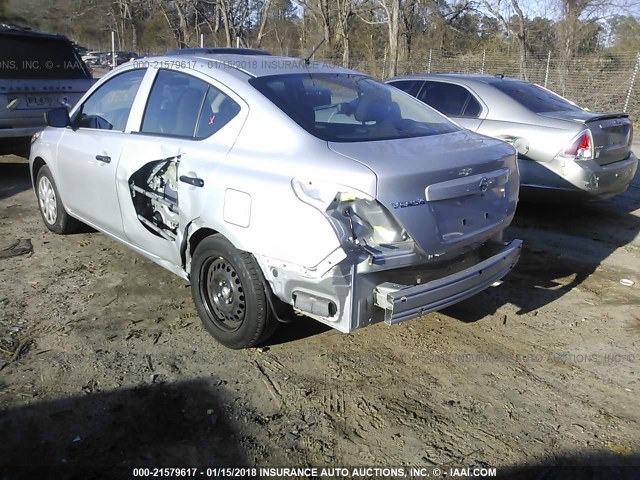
280, 226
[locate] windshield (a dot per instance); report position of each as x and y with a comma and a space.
536, 98
351, 108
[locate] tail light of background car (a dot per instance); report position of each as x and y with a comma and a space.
580, 147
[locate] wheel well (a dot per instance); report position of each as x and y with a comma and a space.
38, 163
197, 237
276, 305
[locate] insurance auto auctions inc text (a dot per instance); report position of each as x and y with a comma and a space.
386, 472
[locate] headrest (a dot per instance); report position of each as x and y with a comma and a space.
374, 109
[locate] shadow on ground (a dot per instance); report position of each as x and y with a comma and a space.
299, 327
563, 246
185, 423
600, 466
14, 178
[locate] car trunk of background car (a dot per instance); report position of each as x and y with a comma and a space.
461, 182
611, 133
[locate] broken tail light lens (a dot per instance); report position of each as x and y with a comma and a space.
355, 216
580, 148
371, 223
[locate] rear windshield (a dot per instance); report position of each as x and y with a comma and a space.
351, 108
33, 58
536, 98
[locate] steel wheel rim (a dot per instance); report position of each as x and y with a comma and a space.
223, 293
47, 198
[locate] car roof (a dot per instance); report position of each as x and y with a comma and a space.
264, 65
460, 77
16, 31
219, 50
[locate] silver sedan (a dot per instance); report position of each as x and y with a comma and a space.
562, 148
276, 185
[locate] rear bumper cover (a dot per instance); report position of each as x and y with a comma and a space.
404, 302
586, 180
362, 290
602, 181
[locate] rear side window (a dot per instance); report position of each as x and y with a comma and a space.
108, 107
218, 110
452, 100
536, 98
409, 86
35, 58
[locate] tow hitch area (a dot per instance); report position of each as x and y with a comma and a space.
404, 302
154, 190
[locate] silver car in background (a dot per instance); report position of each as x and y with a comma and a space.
274, 184
562, 148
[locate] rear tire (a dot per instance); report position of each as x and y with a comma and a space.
229, 294
53, 213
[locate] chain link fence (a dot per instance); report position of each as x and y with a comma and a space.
604, 82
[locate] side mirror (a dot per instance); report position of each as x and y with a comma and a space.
58, 117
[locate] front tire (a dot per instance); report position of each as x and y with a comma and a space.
53, 213
227, 289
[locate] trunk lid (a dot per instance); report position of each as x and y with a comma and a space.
612, 133
451, 192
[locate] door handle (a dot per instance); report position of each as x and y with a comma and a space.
195, 181
103, 158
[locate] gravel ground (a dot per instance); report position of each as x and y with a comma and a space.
104, 363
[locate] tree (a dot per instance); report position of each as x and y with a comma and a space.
283, 27
264, 12
624, 33
392, 12
322, 13
387, 12
569, 25
576, 27
542, 35
517, 28
343, 28
176, 14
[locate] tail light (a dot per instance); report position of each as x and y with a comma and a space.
355, 216
580, 148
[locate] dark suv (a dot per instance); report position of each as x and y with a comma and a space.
38, 72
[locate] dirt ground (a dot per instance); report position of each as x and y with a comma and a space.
104, 362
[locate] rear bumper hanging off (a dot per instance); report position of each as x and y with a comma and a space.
404, 302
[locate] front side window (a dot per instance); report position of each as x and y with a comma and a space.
108, 107
351, 107
452, 100
174, 104
536, 98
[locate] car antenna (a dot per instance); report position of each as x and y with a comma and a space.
499, 75
306, 60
